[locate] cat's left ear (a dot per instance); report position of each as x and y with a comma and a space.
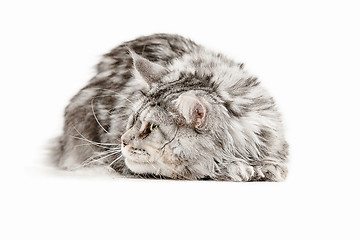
194, 109
149, 71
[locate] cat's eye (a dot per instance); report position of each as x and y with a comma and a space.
149, 128
152, 126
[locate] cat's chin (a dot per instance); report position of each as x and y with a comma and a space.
141, 167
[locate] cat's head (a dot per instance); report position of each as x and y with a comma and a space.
174, 130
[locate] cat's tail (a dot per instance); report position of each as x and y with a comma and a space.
54, 151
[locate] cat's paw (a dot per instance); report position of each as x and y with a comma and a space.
241, 172
274, 172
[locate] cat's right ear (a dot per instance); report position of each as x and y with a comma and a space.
149, 71
193, 108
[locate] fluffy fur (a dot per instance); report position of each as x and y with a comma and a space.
163, 106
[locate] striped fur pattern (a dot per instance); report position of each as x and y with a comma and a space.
163, 106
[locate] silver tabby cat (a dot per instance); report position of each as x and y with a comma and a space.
164, 106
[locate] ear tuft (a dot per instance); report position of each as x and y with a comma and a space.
193, 109
151, 72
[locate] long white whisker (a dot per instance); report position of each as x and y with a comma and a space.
98, 145
97, 120
98, 160
152, 165
116, 159
112, 95
87, 140
98, 154
116, 93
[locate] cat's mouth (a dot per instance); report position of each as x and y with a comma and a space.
136, 156
134, 152
138, 151
142, 162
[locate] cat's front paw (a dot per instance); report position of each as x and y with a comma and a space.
241, 172
274, 172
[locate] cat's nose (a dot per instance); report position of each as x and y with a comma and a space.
126, 138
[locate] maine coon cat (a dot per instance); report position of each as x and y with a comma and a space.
164, 106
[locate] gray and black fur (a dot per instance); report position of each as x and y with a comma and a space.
164, 106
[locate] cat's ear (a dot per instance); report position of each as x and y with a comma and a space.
149, 71
193, 108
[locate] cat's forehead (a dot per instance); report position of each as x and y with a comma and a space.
158, 102
153, 113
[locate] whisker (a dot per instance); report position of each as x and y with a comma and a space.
98, 145
131, 106
97, 154
113, 95
116, 93
116, 159
98, 160
87, 140
152, 165
97, 120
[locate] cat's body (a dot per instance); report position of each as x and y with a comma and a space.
162, 105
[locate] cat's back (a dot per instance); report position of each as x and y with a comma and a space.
158, 48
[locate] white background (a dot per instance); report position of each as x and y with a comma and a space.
307, 54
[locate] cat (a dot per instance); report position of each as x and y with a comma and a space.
163, 106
